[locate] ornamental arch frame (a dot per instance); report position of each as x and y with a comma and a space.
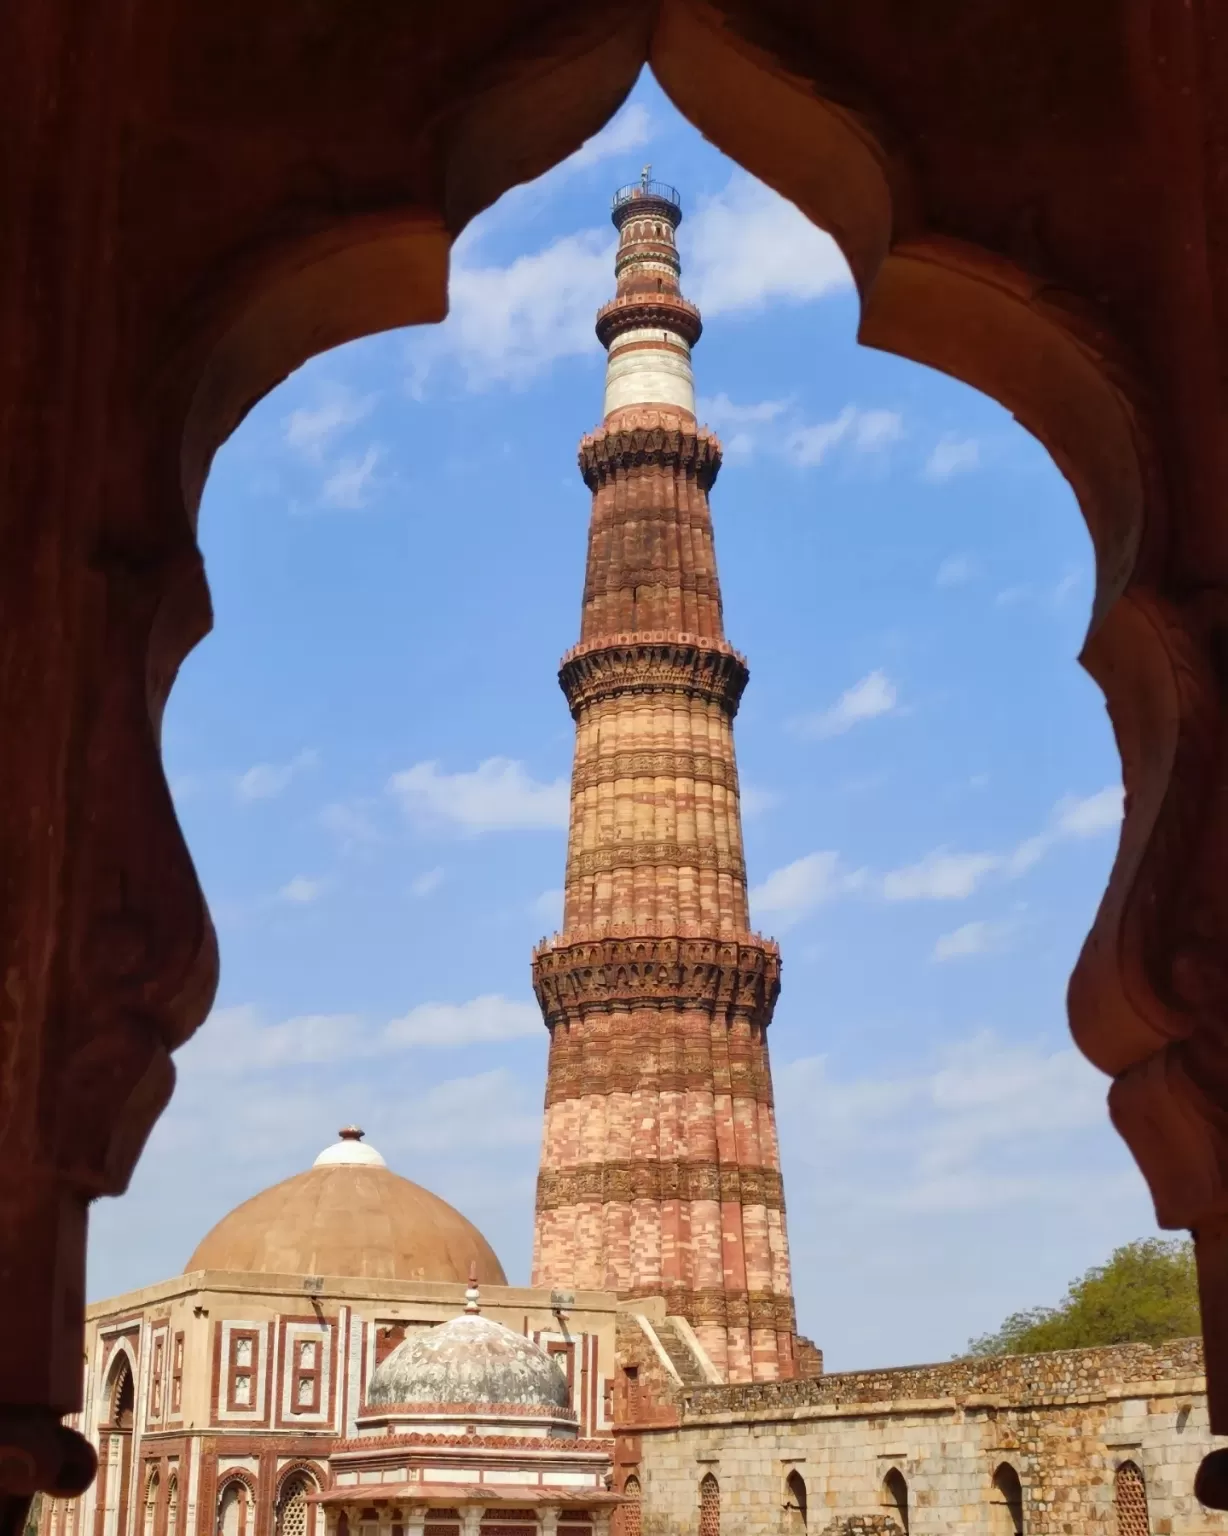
178, 339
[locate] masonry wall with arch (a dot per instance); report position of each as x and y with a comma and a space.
172, 250
1098, 1442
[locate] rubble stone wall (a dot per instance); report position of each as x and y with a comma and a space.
1065, 1422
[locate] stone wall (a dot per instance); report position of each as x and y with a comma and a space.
1064, 1422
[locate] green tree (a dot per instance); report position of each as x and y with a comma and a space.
1146, 1293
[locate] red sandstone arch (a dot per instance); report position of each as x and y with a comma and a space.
184, 274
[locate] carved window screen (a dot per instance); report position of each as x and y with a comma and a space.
1130, 1501
709, 1507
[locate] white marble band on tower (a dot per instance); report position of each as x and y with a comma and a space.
648, 328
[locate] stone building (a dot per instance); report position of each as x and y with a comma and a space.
215, 1397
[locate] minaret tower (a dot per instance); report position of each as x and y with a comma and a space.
660, 1173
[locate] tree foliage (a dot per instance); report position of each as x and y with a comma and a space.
1147, 1292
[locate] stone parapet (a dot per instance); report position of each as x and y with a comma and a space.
661, 439
653, 662
733, 976
664, 311
1021, 1380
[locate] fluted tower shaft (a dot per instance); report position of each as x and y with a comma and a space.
660, 1170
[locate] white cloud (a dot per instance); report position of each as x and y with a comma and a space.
311, 429
1089, 817
952, 455
449, 1025
863, 432
946, 876
351, 823
508, 324
748, 246
429, 880
349, 486
548, 908
628, 129
756, 801
302, 891
789, 893
955, 571
939, 876
874, 695
962, 1134
489, 1111
265, 781
498, 796
721, 411
243, 1033
976, 938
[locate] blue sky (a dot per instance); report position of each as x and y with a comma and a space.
370, 758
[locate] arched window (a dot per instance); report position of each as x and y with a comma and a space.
294, 1514
232, 1507
151, 1504
120, 1394
895, 1497
1006, 1503
172, 1505
1130, 1501
795, 1502
631, 1513
709, 1506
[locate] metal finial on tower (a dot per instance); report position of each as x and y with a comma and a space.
472, 1296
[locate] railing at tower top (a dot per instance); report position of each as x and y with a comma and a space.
645, 188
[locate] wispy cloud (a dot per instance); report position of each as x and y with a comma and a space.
789, 893
265, 781
301, 891
507, 324
959, 1135
970, 939
310, 429
952, 455
497, 796
943, 874
352, 823
747, 247
548, 908
872, 696
429, 880
955, 571
865, 433
630, 128
350, 484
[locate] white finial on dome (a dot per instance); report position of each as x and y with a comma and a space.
472, 1296
350, 1148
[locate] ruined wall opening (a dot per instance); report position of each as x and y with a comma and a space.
1006, 1502
795, 1502
894, 1497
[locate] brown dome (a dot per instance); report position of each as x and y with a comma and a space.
349, 1215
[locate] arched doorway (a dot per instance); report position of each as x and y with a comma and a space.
894, 1497
115, 1450
795, 1503
1006, 1503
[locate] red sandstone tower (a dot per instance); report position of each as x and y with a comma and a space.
660, 1172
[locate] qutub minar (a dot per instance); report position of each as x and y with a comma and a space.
660, 1171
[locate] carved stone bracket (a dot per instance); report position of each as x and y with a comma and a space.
730, 976
650, 437
653, 663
